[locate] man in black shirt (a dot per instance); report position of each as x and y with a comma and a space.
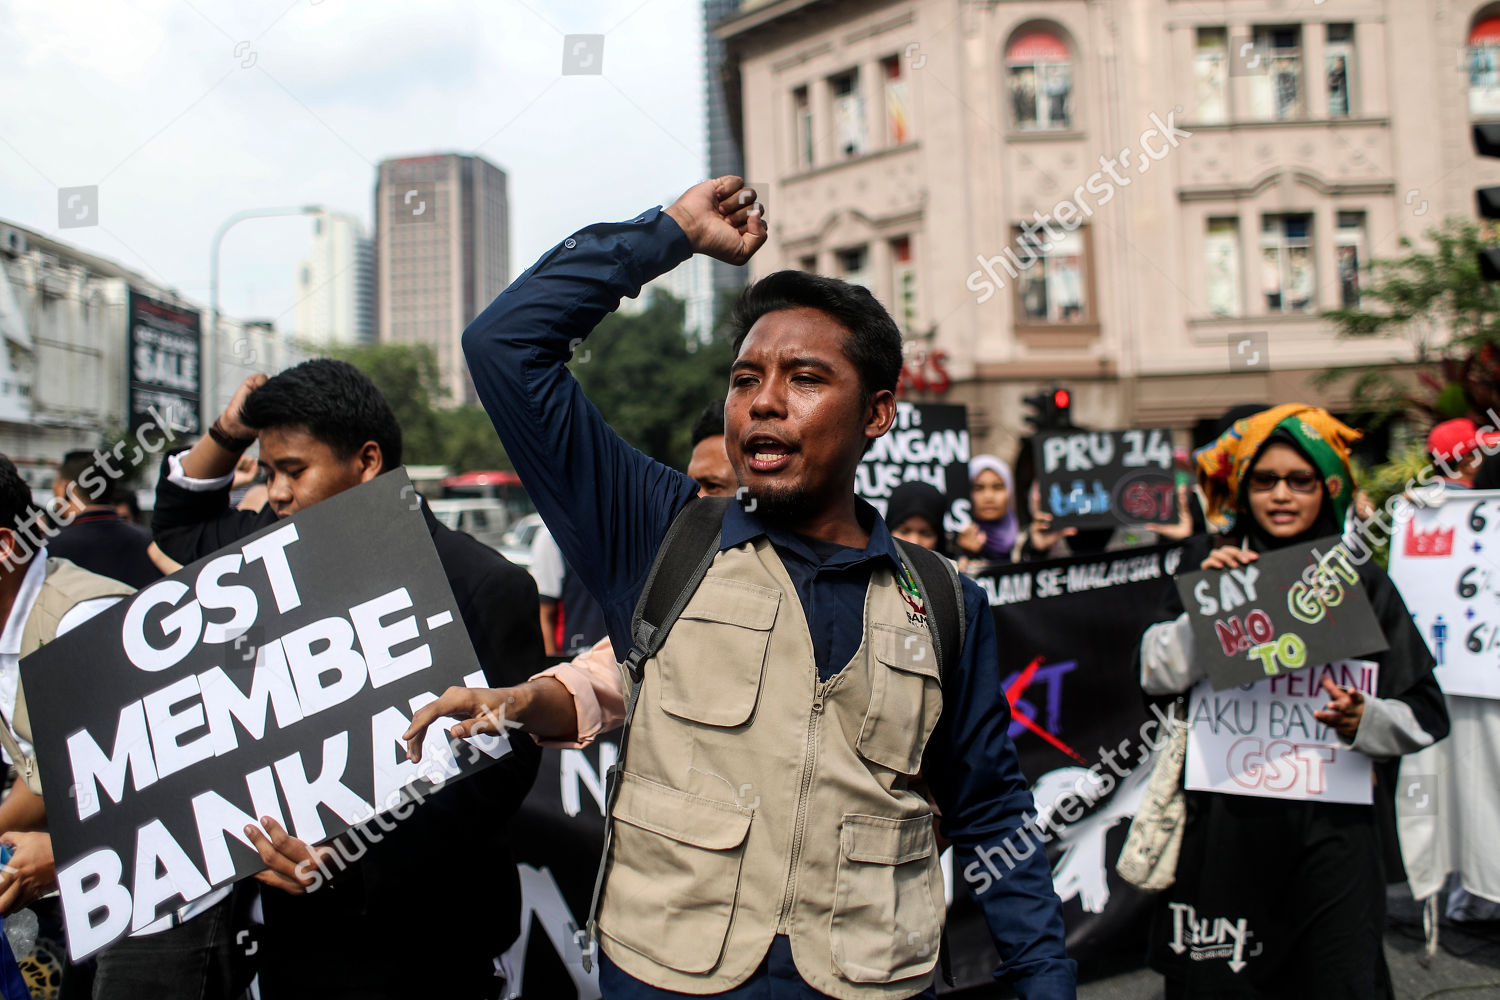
323, 428
94, 535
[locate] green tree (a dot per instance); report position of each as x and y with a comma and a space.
407, 375
649, 379
1427, 295
470, 442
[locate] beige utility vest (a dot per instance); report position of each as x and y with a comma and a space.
65, 586
757, 800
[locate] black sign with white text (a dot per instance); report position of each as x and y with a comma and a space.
1301, 606
165, 346
1100, 478
928, 442
273, 678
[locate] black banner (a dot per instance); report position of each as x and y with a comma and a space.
165, 348
1301, 606
930, 442
1067, 631
274, 678
1103, 478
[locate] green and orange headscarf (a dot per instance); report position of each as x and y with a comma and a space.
1224, 464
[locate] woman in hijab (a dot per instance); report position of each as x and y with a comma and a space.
915, 514
991, 536
1304, 879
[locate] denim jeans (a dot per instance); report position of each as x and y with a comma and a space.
191, 961
776, 979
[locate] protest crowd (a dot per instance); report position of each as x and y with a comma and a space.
293, 740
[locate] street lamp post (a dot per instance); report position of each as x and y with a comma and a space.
211, 388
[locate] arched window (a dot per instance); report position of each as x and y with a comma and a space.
1039, 75
1484, 67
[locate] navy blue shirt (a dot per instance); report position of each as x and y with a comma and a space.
608, 506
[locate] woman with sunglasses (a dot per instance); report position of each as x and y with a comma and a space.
1304, 880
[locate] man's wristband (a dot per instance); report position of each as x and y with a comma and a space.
223, 439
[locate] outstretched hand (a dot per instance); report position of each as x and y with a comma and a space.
722, 219
482, 711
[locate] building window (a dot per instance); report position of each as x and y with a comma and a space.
808, 264
854, 266
1040, 76
904, 283
1051, 289
1349, 246
802, 125
1339, 57
1277, 95
1484, 69
1286, 263
848, 114
897, 102
1210, 73
1221, 259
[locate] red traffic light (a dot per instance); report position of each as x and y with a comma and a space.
1061, 399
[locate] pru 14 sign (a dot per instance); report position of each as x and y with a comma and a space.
1098, 478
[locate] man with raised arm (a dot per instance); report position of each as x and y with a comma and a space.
767, 839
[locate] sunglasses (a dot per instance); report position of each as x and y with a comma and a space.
1297, 482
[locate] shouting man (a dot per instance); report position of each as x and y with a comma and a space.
769, 838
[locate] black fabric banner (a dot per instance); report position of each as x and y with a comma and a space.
1067, 632
274, 677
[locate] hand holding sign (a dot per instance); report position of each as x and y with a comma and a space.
290, 862
29, 873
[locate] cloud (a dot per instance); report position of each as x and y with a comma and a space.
186, 111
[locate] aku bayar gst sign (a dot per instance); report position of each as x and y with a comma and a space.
274, 678
1297, 607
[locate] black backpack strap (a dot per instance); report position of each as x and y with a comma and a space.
686, 552
943, 595
689, 548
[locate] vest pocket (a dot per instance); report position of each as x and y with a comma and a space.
885, 923
711, 666
906, 697
675, 874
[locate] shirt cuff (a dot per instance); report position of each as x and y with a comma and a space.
1388, 728
177, 477
593, 680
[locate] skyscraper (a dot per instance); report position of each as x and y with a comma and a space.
724, 156
335, 283
442, 252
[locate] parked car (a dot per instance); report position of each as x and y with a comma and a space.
485, 519
516, 545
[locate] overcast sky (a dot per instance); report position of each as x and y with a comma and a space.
186, 111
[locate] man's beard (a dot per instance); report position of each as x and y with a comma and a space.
775, 503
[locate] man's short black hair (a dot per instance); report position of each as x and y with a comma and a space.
873, 343
17, 511
336, 403
710, 423
71, 472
